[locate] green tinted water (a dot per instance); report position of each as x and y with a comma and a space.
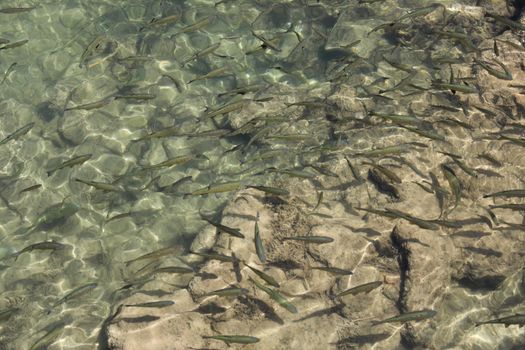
143, 74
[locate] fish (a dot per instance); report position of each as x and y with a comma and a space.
446, 223
77, 160
213, 74
216, 256
271, 190
162, 21
424, 188
362, 288
206, 51
180, 181
173, 269
464, 39
423, 11
30, 188
267, 43
467, 89
264, 276
15, 10
464, 167
228, 292
408, 317
137, 213
104, 186
91, 105
455, 122
492, 216
8, 71
453, 182
276, 297
333, 270
15, 44
488, 172
175, 250
512, 44
225, 109
18, 133
135, 97
488, 112
425, 224
507, 22
378, 212
507, 194
75, 293
259, 247
4, 41
209, 133
154, 304
90, 49
170, 162
201, 23
222, 228
505, 75
490, 158
244, 90
516, 319
310, 239
49, 338
485, 219
47, 245
355, 172
320, 196
406, 81
411, 165
399, 65
233, 339
322, 170
446, 108
217, 188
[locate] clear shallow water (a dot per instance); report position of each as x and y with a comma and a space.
316, 58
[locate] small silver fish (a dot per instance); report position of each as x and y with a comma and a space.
229, 339
8, 71
18, 133
409, 316
259, 247
310, 239
91, 48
